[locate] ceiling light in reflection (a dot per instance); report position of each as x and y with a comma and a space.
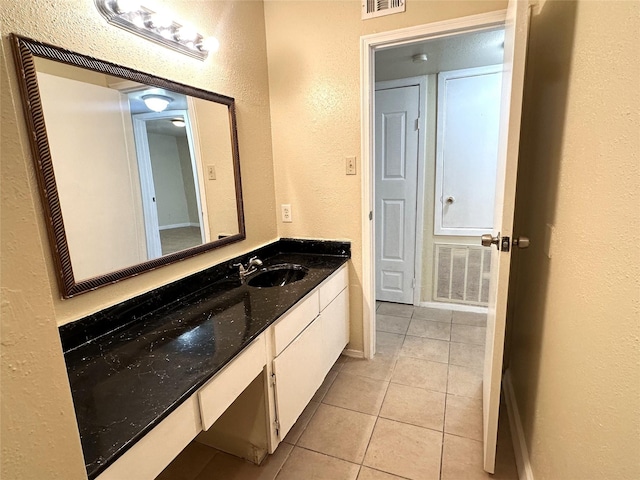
157, 103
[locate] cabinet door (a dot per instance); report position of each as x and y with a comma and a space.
467, 150
335, 328
299, 374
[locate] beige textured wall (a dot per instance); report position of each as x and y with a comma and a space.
39, 435
238, 69
216, 150
314, 79
86, 188
575, 351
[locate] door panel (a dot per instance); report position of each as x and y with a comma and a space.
393, 229
397, 111
515, 49
467, 150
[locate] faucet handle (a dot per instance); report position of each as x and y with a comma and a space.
254, 261
240, 267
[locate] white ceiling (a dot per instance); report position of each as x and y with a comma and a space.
165, 127
452, 53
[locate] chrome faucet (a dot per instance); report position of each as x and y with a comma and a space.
252, 266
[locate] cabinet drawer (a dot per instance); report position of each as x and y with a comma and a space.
149, 456
333, 286
289, 327
220, 392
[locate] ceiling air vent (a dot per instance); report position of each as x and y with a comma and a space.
378, 8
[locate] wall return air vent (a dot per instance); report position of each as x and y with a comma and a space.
378, 8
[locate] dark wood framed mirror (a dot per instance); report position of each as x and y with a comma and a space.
134, 171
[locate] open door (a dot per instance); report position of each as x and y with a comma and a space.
515, 49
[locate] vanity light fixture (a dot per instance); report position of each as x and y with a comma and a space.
178, 122
157, 103
157, 27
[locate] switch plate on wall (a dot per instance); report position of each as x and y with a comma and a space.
286, 213
351, 165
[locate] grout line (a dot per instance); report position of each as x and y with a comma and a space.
352, 410
462, 436
327, 455
413, 424
285, 461
388, 473
444, 420
370, 438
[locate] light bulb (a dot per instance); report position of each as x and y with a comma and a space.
167, 33
186, 34
210, 44
137, 19
125, 6
178, 122
159, 21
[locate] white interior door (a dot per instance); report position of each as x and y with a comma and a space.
147, 188
396, 163
467, 150
515, 49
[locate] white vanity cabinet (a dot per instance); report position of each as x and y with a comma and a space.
295, 353
151, 454
322, 321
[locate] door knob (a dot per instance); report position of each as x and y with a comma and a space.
487, 240
521, 242
449, 200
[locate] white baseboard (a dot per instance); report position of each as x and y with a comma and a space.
178, 225
455, 306
349, 352
517, 433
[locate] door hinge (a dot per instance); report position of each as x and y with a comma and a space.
418, 123
273, 379
413, 283
276, 422
371, 215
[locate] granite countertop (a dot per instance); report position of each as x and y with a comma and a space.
124, 382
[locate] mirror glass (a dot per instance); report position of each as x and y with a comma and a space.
144, 172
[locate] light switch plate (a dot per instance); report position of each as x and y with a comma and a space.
286, 213
548, 240
351, 165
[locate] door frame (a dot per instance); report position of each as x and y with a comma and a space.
369, 44
152, 230
421, 83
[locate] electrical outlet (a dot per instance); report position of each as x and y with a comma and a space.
286, 213
211, 171
351, 165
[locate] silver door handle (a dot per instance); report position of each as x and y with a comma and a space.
521, 242
487, 240
449, 200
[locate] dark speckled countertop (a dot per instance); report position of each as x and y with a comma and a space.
161, 347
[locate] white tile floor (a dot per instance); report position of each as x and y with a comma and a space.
413, 412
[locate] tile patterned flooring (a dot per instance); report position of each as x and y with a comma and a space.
413, 412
